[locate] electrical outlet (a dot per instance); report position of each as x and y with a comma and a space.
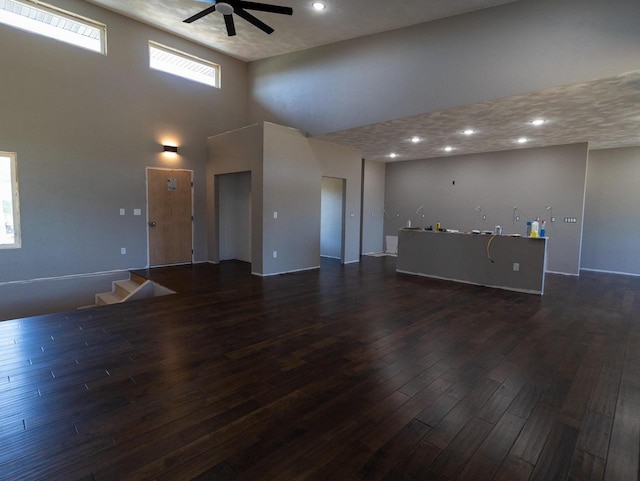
137, 212
275, 254
516, 267
484, 217
517, 218
553, 219
275, 215
123, 250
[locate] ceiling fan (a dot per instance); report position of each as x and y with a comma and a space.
240, 7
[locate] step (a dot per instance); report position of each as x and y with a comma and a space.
107, 298
125, 288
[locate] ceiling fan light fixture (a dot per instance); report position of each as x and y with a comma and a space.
319, 6
224, 8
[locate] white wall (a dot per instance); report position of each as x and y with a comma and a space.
506, 50
610, 240
529, 179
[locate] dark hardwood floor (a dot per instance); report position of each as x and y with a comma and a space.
347, 373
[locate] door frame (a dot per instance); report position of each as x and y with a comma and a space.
146, 183
343, 221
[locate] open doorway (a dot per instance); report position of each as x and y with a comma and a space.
332, 218
233, 214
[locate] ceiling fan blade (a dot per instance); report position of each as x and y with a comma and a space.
197, 16
231, 27
253, 20
265, 7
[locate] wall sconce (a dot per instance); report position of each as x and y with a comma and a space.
170, 148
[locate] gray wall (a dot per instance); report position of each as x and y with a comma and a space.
44, 296
529, 179
292, 189
233, 152
331, 217
610, 238
344, 163
488, 54
286, 170
373, 206
234, 216
86, 125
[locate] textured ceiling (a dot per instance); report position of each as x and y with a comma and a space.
605, 113
342, 19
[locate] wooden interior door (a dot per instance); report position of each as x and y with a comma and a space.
169, 194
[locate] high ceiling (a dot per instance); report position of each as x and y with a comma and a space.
341, 20
605, 112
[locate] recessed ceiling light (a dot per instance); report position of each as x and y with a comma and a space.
318, 6
448, 148
469, 132
522, 140
537, 122
415, 140
393, 155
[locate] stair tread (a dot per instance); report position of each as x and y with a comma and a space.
110, 297
127, 285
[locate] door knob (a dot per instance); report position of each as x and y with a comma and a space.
152, 224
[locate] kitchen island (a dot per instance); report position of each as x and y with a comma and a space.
500, 261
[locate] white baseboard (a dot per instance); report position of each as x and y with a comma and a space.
610, 272
285, 272
570, 274
71, 276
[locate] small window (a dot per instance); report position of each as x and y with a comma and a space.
54, 23
9, 212
183, 65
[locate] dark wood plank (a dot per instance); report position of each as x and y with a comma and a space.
348, 372
494, 449
556, 457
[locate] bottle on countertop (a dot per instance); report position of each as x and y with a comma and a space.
535, 228
528, 228
543, 230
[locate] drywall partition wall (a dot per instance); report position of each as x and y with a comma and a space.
373, 206
610, 238
234, 215
291, 202
85, 126
331, 217
237, 151
488, 54
344, 163
480, 191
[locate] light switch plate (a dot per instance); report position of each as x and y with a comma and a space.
122, 211
137, 212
